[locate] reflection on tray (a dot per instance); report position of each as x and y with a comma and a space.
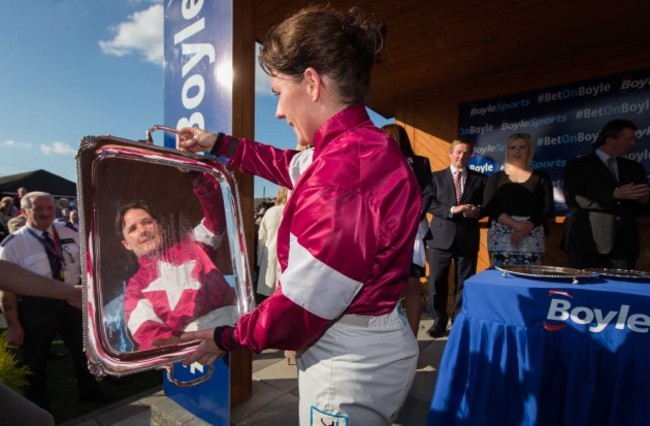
628, 274
546, 272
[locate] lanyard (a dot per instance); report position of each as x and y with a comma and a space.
54, 251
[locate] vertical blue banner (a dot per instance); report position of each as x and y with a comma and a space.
198, 92
198, 65
563, 121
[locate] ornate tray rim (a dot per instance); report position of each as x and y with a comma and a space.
561, 272
631, 274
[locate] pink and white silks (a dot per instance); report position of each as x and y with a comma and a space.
172, 289
346, 239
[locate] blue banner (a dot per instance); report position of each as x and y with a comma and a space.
198, 92
563, 121
198, 66
202, 390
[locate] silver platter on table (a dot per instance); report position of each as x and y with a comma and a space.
628, 274
546, 272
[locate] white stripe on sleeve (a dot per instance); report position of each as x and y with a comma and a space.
203, 235
142, 313
315, 286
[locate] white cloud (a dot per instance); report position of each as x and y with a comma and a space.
13, 144
141, 34
60, 148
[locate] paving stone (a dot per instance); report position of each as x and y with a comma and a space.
275, 396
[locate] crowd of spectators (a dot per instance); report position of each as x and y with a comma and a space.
11, 216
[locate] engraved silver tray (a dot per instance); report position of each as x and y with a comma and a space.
546, 272
627, 274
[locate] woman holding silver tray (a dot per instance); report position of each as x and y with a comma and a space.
346, 238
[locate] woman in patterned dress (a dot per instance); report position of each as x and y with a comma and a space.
519, 201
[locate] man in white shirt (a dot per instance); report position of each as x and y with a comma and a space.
51, 250
14, 408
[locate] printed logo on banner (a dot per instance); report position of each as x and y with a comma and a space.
563, 311
198, 66
192, 372
563, 121
635, 84
202, 390
482, 164
198, 92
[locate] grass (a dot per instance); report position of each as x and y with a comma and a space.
11, 373
62, 387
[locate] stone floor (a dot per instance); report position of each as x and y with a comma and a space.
275, 396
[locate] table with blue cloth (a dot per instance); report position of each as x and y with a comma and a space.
530, 351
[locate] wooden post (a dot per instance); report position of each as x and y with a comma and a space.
243, 125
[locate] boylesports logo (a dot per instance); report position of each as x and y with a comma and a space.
563, 311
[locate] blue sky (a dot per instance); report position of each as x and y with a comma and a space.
72, 68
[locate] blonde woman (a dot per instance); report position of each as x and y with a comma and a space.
267, 237
519, 200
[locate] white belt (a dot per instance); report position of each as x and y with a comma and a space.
356, 320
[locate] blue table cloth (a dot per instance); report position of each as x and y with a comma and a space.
546, 352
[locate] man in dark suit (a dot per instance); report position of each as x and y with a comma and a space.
603, 191
457, 195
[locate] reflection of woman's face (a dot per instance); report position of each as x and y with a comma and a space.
141, 233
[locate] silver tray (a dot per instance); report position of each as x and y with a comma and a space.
628, 274
546, 272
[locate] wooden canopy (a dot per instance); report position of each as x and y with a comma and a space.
443, 44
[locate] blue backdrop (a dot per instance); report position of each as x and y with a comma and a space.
563, 120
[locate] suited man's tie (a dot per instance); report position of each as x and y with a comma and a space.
457, 186
611, 163
54, 259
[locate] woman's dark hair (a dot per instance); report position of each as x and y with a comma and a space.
119, 216
398, 133
613, 129
341, 45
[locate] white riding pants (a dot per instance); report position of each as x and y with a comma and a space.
358, 373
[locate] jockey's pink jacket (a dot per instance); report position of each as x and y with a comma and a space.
345, 243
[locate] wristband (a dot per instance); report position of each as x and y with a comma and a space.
217, 144
223, 338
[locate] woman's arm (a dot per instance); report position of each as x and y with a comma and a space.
15, 279
246, 155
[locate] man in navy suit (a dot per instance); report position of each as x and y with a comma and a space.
604, 191
456, 208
